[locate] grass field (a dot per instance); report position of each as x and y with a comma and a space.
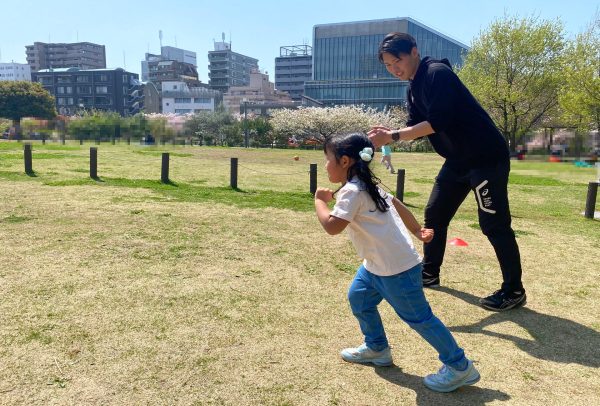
125, 291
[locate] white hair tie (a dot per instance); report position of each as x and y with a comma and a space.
366, 154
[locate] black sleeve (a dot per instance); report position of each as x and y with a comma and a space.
443, 87
414, 117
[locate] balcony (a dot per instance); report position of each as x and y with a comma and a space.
212, 67
219, 75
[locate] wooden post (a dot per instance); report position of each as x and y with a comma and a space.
590, 203
43, 139
234, 173
128, 140
80, 141
93, 162
164, 173
28, 159
400, 185
313, 178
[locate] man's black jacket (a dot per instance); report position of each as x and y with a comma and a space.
464, 133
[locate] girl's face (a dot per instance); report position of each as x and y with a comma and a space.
337, 171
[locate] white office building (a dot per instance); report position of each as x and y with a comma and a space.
179, 98
15, 71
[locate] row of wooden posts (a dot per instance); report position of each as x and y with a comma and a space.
590, 204
233, 177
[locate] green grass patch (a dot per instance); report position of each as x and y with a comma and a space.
297, 201
15, 219
159, 153
41, 155
15, 146
517, 179
13, 176
514, 179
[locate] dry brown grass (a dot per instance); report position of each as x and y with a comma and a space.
122, 296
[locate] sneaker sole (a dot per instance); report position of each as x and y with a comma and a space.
385, 363
512, 306
452, 388
433, 285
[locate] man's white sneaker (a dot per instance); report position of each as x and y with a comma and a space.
449, 379
364, 354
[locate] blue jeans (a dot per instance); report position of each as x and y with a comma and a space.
404, 292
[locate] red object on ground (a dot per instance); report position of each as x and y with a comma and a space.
458, 242
553, 158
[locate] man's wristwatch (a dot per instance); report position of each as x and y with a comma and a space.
396, 135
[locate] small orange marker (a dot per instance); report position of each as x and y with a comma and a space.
458, 242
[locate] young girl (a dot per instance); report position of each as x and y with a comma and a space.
391, 270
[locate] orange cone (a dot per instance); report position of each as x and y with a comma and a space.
458, 242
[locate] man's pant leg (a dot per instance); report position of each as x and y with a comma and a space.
491, 191
449, 191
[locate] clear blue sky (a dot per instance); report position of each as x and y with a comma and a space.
129, 28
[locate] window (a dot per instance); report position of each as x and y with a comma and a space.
102, 100
202, 100
83, 79
63, 79
102, 78
183, 111
85, 101
101, 89
183, 100
125, 78
84, 89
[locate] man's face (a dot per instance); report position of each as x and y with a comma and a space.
403, 66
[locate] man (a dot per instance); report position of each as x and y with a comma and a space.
477, 158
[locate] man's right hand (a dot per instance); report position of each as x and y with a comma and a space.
380, 135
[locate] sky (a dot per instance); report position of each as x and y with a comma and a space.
129, 28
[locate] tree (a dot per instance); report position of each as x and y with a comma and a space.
25, 99
209, 126
94, 124
580, 95
514, 70
262, 130
318, 123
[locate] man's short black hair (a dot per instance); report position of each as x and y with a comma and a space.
396, 43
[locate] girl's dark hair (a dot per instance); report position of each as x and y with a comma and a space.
396, 43
351, 145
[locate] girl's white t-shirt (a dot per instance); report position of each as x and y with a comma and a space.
380, 238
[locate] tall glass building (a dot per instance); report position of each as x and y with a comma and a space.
346, 69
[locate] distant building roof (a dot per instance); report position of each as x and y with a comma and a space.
76, 69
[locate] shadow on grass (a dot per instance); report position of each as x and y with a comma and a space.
554, 338
467, 395
31, 174
168, 182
